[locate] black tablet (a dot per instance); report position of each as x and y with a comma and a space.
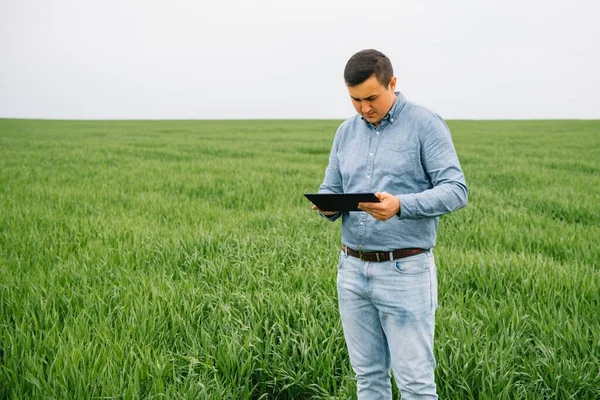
340, 201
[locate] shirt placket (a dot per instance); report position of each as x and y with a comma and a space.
373, 144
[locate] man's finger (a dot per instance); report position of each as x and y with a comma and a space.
364, 206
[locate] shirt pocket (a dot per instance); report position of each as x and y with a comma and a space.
398, 161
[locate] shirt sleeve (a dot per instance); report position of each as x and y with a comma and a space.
439, 160
332, 182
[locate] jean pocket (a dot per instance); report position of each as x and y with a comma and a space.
413, 265
341, 260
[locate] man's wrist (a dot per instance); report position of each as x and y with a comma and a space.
330, 216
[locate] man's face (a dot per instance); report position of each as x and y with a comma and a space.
372, 100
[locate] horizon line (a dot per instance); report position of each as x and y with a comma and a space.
270, 119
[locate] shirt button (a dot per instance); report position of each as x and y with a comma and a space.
361, 223
370, 154
368, 176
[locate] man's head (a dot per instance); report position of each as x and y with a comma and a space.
370, 80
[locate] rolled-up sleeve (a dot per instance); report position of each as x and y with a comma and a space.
449, 190
332, 182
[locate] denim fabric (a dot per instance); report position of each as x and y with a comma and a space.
410, 155
387, 311
388, 308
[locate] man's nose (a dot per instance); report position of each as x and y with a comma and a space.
366, 107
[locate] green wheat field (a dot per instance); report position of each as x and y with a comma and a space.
180, 260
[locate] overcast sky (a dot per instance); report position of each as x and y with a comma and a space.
198, 59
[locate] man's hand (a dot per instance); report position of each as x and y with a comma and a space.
326, 213
388, 206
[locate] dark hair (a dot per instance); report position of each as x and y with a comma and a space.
366, 63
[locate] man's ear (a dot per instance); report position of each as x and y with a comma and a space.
392, 85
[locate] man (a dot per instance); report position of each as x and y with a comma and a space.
387, 282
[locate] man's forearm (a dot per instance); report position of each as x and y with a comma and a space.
434, 202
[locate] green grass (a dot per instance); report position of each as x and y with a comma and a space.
175, 259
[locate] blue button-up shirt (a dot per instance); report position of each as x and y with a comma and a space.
410, 155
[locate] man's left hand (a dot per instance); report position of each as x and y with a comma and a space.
388, 206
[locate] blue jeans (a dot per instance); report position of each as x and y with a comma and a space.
388, 311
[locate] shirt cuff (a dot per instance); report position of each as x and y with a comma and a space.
331, 217
407, 206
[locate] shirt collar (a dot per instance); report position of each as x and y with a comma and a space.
392, 115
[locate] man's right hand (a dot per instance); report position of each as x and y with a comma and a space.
326, 213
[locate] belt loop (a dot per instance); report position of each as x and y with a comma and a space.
391, 253
345, 250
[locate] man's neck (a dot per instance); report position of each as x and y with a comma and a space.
395, 96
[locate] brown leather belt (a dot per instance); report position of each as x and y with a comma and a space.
379, 256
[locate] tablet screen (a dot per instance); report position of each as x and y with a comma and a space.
340, 201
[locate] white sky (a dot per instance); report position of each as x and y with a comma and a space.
186, 59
